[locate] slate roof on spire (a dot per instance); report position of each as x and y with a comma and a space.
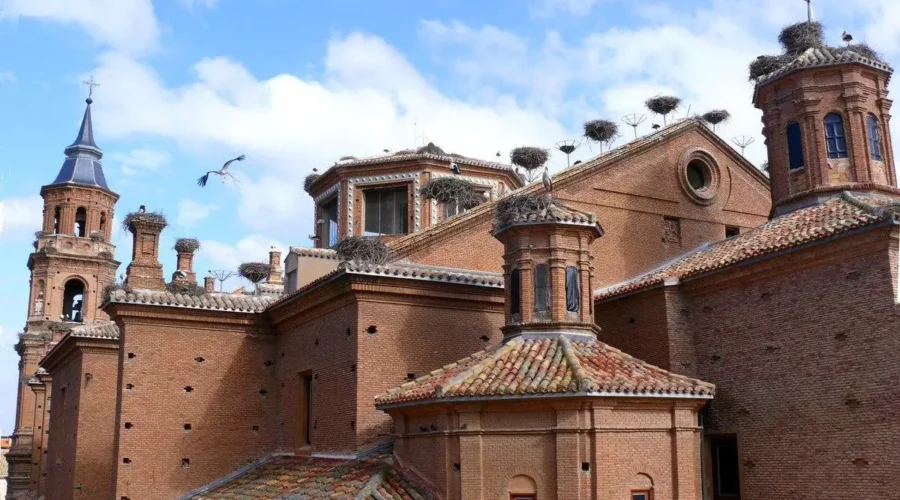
82, 164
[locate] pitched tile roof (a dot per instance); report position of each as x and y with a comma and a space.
815, 57
555, 212
564, 178
838, 215
554, 366
211, 301
403, 270
99, 330
321, 253
315, 478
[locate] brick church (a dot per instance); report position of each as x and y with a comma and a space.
668, 323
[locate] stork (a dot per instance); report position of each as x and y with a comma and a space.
454, 167
548, 183
222, 172
846, 37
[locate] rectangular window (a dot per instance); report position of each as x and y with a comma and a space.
573, 290
386, 211
640, 495
451, 208
795, 145
522, 497
732, 231
328, 214
726, 479
304, 411
541, 287
835, 140
515, 293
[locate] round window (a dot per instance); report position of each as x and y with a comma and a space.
698, 175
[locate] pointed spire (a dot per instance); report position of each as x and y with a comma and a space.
85, 139
82, 163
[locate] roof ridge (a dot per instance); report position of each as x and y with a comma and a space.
585, 384
498, 351
875, 210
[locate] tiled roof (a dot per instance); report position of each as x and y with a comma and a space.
555, 212
211, 301
554, 366
397, 157
315, 478
564, 178
321, 253
102, 330
823, 56
838, 215
405, 271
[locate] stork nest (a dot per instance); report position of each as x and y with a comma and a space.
105, 254
601, 130
187, 245
254, 271
363, 249
514, 208
153, 218
763, 65
431, 149
663, 104
405, 152
865, 50
797, 38
185, 288
446, 189
112, 287
716, 116
348, 158
529, 158
310, 179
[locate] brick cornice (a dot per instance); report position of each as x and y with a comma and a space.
69, 348
124, 313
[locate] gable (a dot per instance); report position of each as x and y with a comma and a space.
639, 193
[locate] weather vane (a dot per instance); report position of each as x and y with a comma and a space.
91, 83
809, 10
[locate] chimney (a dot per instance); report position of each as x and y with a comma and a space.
274, 266
145, 271
547, 267
209, 284
185, 248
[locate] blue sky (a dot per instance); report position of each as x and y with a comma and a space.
296, 84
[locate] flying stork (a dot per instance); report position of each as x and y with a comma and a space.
222, 172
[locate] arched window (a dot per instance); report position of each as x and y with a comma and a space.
874, 137
73, 301
522, 488
38, 308
795, 146
573, 290
56, 220
103, 223
541, 288
835, 141
80, 222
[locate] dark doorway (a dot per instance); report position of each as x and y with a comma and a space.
73, 301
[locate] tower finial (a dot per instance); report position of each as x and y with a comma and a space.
91, 83
809, 10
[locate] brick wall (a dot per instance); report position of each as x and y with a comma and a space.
631, 198
222, 357
63, 435
96, 416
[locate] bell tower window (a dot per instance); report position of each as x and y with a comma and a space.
56, 220
103, 223
835, 140
80, 222
73, 301
874, 138
795, 146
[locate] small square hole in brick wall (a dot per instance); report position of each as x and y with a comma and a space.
256, 429
263, 392
185, 463
484, 338
129, 387
410, 376
188, 389
317, 341
456, 468
126, 460
187, 427
585, 466
267, 363
199, 359
124, 498
353, 367
130, 355
372, 329
349, 332
128, 425
353, 424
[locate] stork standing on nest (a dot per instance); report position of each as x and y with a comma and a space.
222, 172
548, 183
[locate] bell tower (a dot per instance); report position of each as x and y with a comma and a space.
826, 120
73, 260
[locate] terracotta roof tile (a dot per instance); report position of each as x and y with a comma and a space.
833, 217
212, 301
557, 213
317, 478
559, 366
823, 56
100, 330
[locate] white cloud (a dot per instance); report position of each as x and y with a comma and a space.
219, 255
366, 101
20, 217
7, 77
126, 25
138, 160
545, 8
190, 212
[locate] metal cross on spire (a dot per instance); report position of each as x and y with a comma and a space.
809, 10
91, 83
